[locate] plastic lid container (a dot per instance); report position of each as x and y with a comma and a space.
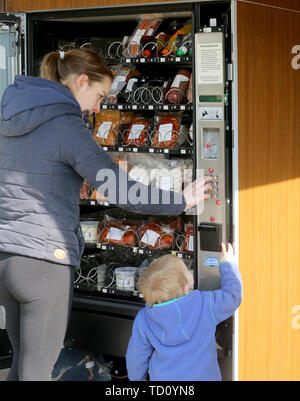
89, 230
125, 278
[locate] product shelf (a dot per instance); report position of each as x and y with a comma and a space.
147, 107
134, 149
170, 60
138, 250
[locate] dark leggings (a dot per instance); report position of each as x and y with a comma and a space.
37, 296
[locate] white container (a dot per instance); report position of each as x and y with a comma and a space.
125, 278
101, 271
89, 230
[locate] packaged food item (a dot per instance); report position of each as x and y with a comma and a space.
173, 175
146, 27
125, 277
153, 236
166, 87
169, 225
89, 230
123, 73
188, 242
186, 29
128, 91
141, 174
137, 133
118, 232
118, 236
148, 46
161, 39
167, 130
184, 45
169, 175
180, 84
189, 92
106, 127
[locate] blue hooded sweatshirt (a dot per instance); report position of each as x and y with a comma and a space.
175, 340
46, 150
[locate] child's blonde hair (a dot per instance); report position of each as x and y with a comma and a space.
163, 280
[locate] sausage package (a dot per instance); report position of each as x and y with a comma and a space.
145, 27
123, 73
167, 130
153, 236
170, 225
106, 127
119, 232
137, 133
180, 84
188, 242
189, 92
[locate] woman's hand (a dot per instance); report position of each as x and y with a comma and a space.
194, 193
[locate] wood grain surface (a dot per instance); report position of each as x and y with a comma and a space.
26, 5
269, 182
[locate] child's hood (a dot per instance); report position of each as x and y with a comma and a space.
174, 322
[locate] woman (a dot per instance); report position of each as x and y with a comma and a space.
46, 150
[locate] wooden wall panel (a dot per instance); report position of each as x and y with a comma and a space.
269, 182
290, 4
25, 5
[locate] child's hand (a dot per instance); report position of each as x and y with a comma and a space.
227, 255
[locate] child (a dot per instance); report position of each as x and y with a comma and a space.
173, 337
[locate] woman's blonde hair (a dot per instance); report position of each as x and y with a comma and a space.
58, 66
163, 280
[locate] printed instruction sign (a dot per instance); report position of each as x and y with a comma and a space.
210, 63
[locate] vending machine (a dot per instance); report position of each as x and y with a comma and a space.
170, 115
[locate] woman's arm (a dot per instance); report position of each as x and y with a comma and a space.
79, 150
